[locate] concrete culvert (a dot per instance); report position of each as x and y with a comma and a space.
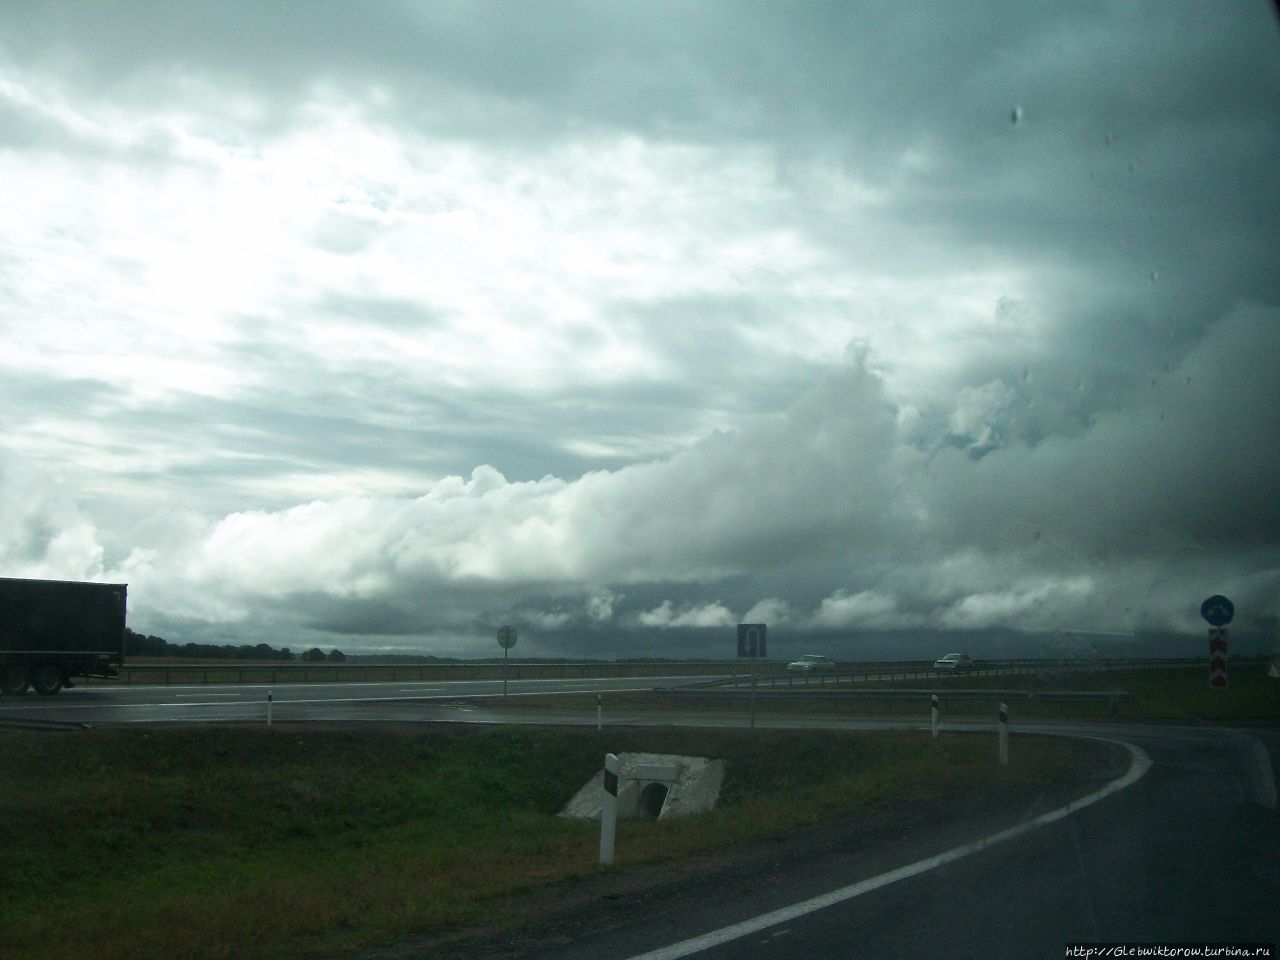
652, 785
652, 798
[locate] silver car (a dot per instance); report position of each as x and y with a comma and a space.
954, 662
811, 663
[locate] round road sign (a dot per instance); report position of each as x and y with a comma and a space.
506, 637
1218, 610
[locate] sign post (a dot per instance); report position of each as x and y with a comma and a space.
506, 640
1218, 611
609, 808
1218, 657
1003, 734
751, 643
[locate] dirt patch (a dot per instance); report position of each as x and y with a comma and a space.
878, 839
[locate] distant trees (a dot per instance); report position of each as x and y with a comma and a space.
137, 645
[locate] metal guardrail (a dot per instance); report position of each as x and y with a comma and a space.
943, 694
774, 671
268, 672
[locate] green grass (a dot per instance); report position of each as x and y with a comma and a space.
242, 842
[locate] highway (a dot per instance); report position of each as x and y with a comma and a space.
1189, 852
207, 703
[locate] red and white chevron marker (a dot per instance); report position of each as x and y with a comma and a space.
1218, 657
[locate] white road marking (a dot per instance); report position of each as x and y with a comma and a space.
190, 695
1139, 764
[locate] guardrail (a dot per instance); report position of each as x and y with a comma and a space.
722, 672
866, 673
276, 673
1112, 698
1054, 696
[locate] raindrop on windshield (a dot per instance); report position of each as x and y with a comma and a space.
1015, 116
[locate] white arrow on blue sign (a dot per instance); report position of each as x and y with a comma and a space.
1218, 610
751, 640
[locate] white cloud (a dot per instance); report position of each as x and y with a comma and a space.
600, 605
712, 614
770, 611
43, 533
1041, 604
866, 610
979, 413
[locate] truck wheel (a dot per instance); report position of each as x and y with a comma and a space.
13, 681
47, 680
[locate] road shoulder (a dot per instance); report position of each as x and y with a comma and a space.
567, 919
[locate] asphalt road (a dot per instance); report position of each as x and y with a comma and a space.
201, 703
1188, 853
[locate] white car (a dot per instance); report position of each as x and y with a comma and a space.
954, 662
811, 663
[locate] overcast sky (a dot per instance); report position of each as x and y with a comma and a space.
381, 325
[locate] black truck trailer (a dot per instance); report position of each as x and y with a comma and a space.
53, 630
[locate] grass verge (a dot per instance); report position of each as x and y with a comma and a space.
242, 842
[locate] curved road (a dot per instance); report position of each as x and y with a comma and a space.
1189, 853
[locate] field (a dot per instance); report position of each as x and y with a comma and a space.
246, 842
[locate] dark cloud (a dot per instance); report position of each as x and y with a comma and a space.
1049, 231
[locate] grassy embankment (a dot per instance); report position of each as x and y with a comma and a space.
1180, 693
247, 842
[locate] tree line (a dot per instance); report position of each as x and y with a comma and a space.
138, 645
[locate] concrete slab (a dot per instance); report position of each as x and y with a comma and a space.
691, 785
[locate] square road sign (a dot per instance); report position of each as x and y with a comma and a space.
751, 642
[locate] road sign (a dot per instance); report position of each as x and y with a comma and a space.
506, 637
751, 641
1218, 657
1218, 610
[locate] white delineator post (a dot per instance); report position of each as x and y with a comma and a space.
268, 708
1004, 733
933, 710
599, 710
609, 809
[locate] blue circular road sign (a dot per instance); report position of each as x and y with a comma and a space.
1218, 610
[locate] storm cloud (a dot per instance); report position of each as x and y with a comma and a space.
381, 327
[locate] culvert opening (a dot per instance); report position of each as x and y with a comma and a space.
652, 798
